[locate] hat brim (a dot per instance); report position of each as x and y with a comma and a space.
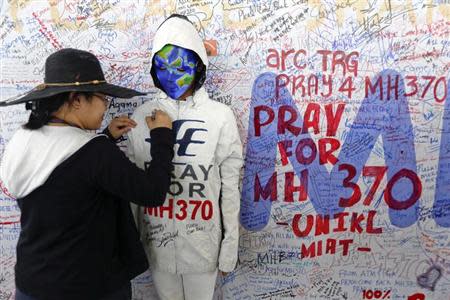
104, 88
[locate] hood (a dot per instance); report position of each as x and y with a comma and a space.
178, 31
32, 155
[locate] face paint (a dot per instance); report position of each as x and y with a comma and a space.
175, 68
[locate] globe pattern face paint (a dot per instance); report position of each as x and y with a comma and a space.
175, 68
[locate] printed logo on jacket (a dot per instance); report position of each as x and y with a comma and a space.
187, 187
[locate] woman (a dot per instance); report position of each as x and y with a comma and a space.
78, 239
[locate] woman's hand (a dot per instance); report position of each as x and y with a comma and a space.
158, 118
120, 125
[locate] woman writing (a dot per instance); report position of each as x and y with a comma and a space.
78, 239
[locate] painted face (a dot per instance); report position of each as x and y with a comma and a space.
175, 68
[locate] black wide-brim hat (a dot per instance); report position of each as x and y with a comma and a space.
72, 70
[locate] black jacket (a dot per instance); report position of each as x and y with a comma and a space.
78, 238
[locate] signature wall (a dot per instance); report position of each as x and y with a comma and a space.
344, 111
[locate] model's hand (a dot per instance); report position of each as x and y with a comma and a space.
120, 125
158, 118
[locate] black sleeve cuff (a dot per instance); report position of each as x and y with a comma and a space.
162, 135
162, 141
109, 135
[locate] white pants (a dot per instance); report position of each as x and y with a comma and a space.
195, 286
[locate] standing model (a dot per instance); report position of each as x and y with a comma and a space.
195, 233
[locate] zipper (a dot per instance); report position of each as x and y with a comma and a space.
175, 223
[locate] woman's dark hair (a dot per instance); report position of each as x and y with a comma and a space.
42, 109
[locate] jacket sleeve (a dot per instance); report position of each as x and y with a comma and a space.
130, 153
229, 155
129, 147
114, 172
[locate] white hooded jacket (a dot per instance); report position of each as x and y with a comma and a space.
197, 228
32, 155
